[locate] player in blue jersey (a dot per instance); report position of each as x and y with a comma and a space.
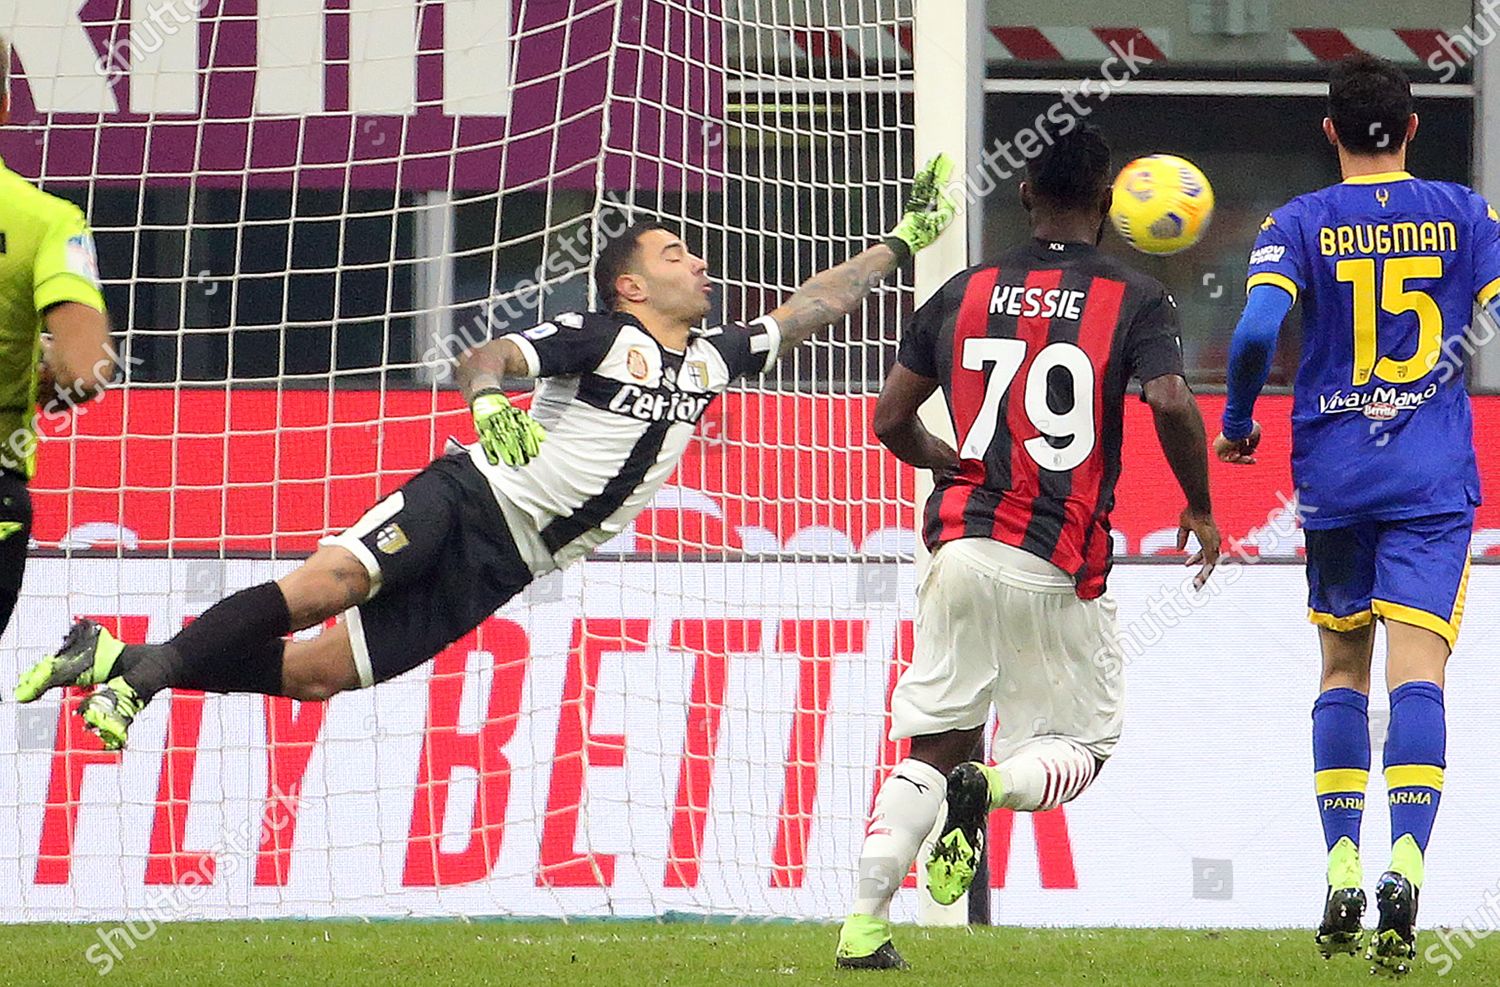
1389, 268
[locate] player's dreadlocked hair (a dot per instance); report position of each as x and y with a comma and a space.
1369, 102
1073, 171
614, 260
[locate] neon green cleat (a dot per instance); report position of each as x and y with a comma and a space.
1344, 868
1407, 860
865, 944
1344, 907
955, 855
110, 710
1343, 922
87, 657
1393, 946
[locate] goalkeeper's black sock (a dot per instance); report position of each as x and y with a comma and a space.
257, 670
235, 646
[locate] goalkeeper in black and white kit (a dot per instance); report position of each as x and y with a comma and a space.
620, 393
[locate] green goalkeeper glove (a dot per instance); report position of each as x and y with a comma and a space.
507, 433
928, 212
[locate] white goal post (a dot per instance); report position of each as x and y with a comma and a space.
948, 91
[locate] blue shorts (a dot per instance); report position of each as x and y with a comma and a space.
1414, 570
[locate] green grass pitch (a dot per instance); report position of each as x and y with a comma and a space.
336, 953
449, 953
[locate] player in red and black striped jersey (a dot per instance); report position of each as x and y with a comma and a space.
1033, 354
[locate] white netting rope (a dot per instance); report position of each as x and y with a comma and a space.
690, 723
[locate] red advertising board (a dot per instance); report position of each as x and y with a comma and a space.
252, 471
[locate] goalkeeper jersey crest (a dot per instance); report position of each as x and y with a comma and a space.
619, 409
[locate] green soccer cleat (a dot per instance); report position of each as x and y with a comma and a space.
1343, 922
865, 944
87, 657
110, 710
1344, 907
955, 855
1393, 946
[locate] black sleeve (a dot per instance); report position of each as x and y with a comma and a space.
919, 342
572, 343
1153, 343
747, 348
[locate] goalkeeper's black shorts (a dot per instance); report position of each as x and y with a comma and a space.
441, 561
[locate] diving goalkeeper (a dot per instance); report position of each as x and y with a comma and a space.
620, 394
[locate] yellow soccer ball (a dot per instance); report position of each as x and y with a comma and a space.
1162, 204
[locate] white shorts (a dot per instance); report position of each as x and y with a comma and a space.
996, 625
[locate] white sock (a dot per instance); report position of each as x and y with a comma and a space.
906, 809
1043, 774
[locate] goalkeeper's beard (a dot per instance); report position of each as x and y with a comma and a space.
688, 315
704, 306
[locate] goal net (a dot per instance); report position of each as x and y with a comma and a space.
302, 214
